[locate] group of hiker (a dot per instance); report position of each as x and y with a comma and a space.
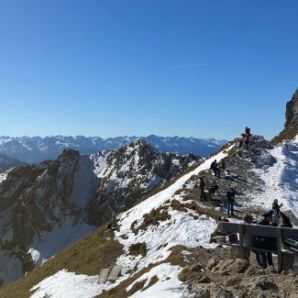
273, 217
217, 168
212, 189
207, 192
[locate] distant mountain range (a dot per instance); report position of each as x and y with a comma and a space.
37, 149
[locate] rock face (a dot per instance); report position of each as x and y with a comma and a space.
128, 173
292, 112
291, 124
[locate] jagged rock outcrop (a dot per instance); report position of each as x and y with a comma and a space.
33, 200
129, 173
291, 125
292, 111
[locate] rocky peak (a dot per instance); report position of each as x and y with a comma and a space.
292, 112
291, 125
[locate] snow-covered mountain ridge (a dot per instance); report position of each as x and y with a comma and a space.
46, 207
37, 149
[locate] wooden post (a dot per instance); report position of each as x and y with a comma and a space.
279, 249
241, 240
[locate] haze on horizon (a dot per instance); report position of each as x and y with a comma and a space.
113, 68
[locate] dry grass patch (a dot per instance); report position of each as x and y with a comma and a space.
153, 218
286, 134
138, 249
87, 256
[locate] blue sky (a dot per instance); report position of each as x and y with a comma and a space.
109, 68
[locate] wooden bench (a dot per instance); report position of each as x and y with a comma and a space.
252, 230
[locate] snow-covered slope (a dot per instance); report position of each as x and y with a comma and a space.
37, 149
280, 178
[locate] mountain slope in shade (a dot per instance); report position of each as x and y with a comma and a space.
7, 162
37, 149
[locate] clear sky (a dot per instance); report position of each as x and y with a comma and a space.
108, 68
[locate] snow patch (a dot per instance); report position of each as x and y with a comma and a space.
3, 176
35, 255
66, 284
168, 285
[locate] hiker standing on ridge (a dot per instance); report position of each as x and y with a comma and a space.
245, 138
276, 212
223, 166
215, 168
231, 201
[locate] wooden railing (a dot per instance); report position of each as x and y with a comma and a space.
253, 230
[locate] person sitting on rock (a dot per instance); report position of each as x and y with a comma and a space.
215, 168
231, 201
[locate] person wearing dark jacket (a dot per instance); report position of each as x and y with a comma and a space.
231, 201
276, 212
215, 168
